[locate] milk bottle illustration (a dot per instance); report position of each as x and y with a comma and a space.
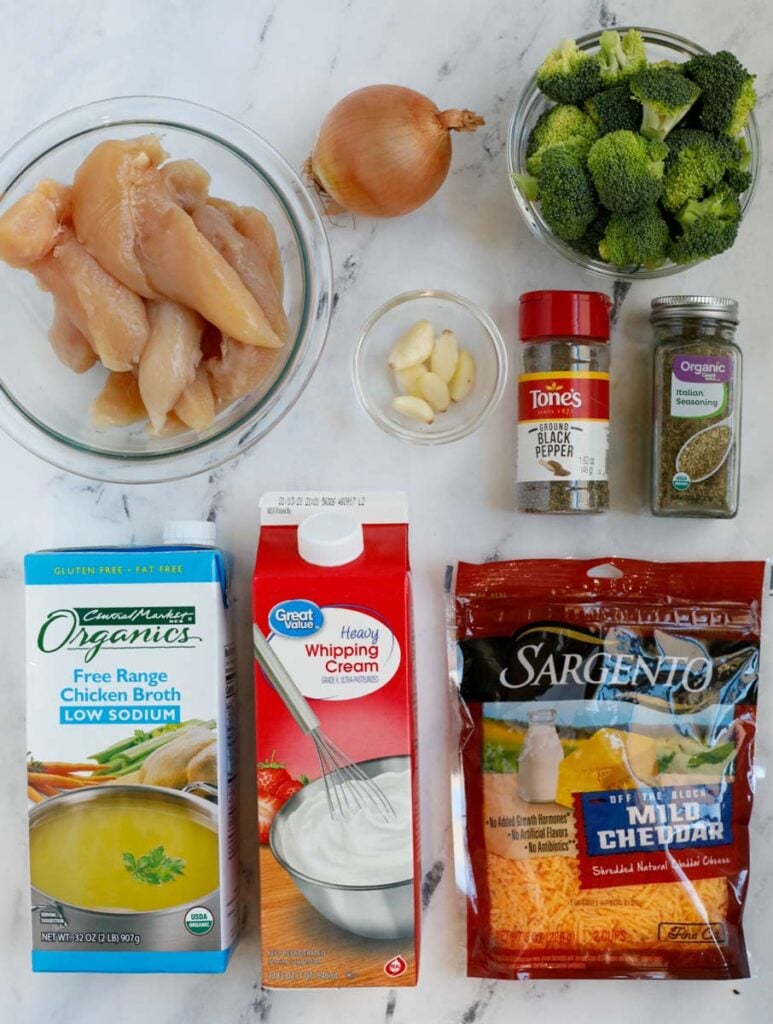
541, 755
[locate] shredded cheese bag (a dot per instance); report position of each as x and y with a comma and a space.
602, 805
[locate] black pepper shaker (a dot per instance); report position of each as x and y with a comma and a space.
563, 402
697, 382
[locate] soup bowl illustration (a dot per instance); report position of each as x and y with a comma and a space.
128, 861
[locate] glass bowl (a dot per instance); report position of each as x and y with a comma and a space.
374, 382
660, 46
44, 406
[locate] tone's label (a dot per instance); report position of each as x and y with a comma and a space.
563, 426
699, 385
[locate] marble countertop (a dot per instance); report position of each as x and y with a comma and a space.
278, 66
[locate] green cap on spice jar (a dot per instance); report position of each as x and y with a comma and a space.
551, 313
668, 307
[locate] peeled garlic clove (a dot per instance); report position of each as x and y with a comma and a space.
463, 378
445, 356
434, 390
414, 347
414, 408
408, 379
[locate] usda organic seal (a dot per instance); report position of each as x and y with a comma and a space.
199, 921
681, 481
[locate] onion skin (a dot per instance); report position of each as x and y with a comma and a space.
384, 150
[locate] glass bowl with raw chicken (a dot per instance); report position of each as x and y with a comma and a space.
165, 288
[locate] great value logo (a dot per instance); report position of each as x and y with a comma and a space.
93, 630
296, 618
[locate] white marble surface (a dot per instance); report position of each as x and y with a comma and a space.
279, 66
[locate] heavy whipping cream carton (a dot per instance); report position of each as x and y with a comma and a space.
336, 744
132, 764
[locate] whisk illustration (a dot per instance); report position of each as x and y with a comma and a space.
346, 785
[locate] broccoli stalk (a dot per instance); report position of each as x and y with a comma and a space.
709, 226
568, 74
665, 96
727, 89
621, 57
627, 170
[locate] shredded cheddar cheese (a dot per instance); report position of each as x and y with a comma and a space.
539, 902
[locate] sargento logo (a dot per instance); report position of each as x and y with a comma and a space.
555, 397
553, 655
92, 630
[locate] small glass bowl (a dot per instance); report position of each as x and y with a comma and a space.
374, 382
660, 46
44, 406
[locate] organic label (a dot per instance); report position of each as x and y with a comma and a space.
698, 385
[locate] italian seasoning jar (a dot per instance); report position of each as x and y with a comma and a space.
563, 402
697, 407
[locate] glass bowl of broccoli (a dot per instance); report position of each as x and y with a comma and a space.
635, 153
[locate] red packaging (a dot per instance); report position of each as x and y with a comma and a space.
606, 765
339, 860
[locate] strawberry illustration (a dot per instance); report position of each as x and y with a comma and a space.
271, 775
275, 787
288, 789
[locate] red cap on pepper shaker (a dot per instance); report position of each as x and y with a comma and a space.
561, 314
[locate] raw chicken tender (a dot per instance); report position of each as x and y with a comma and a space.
248, 262
29, 228
257, 227
187, 182
119, 403
105, 209
169, 361
131, 221
239, 370
70, 346
111, 317
196, 405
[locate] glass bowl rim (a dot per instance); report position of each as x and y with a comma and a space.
668, 40
309, 233
467, 427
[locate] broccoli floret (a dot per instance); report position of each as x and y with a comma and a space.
588, 243
727, 91
568, 74
696, 163
639, 238
627, 170
665, 96
568, 202
709, 226
737, 180
564, 125
615, 110
621, 57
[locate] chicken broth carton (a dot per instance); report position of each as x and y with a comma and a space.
337, 787
132, 768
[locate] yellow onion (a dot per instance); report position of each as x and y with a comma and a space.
385, 150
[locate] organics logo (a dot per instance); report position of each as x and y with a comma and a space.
296, 618
92, 630
395, 967
553, 396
